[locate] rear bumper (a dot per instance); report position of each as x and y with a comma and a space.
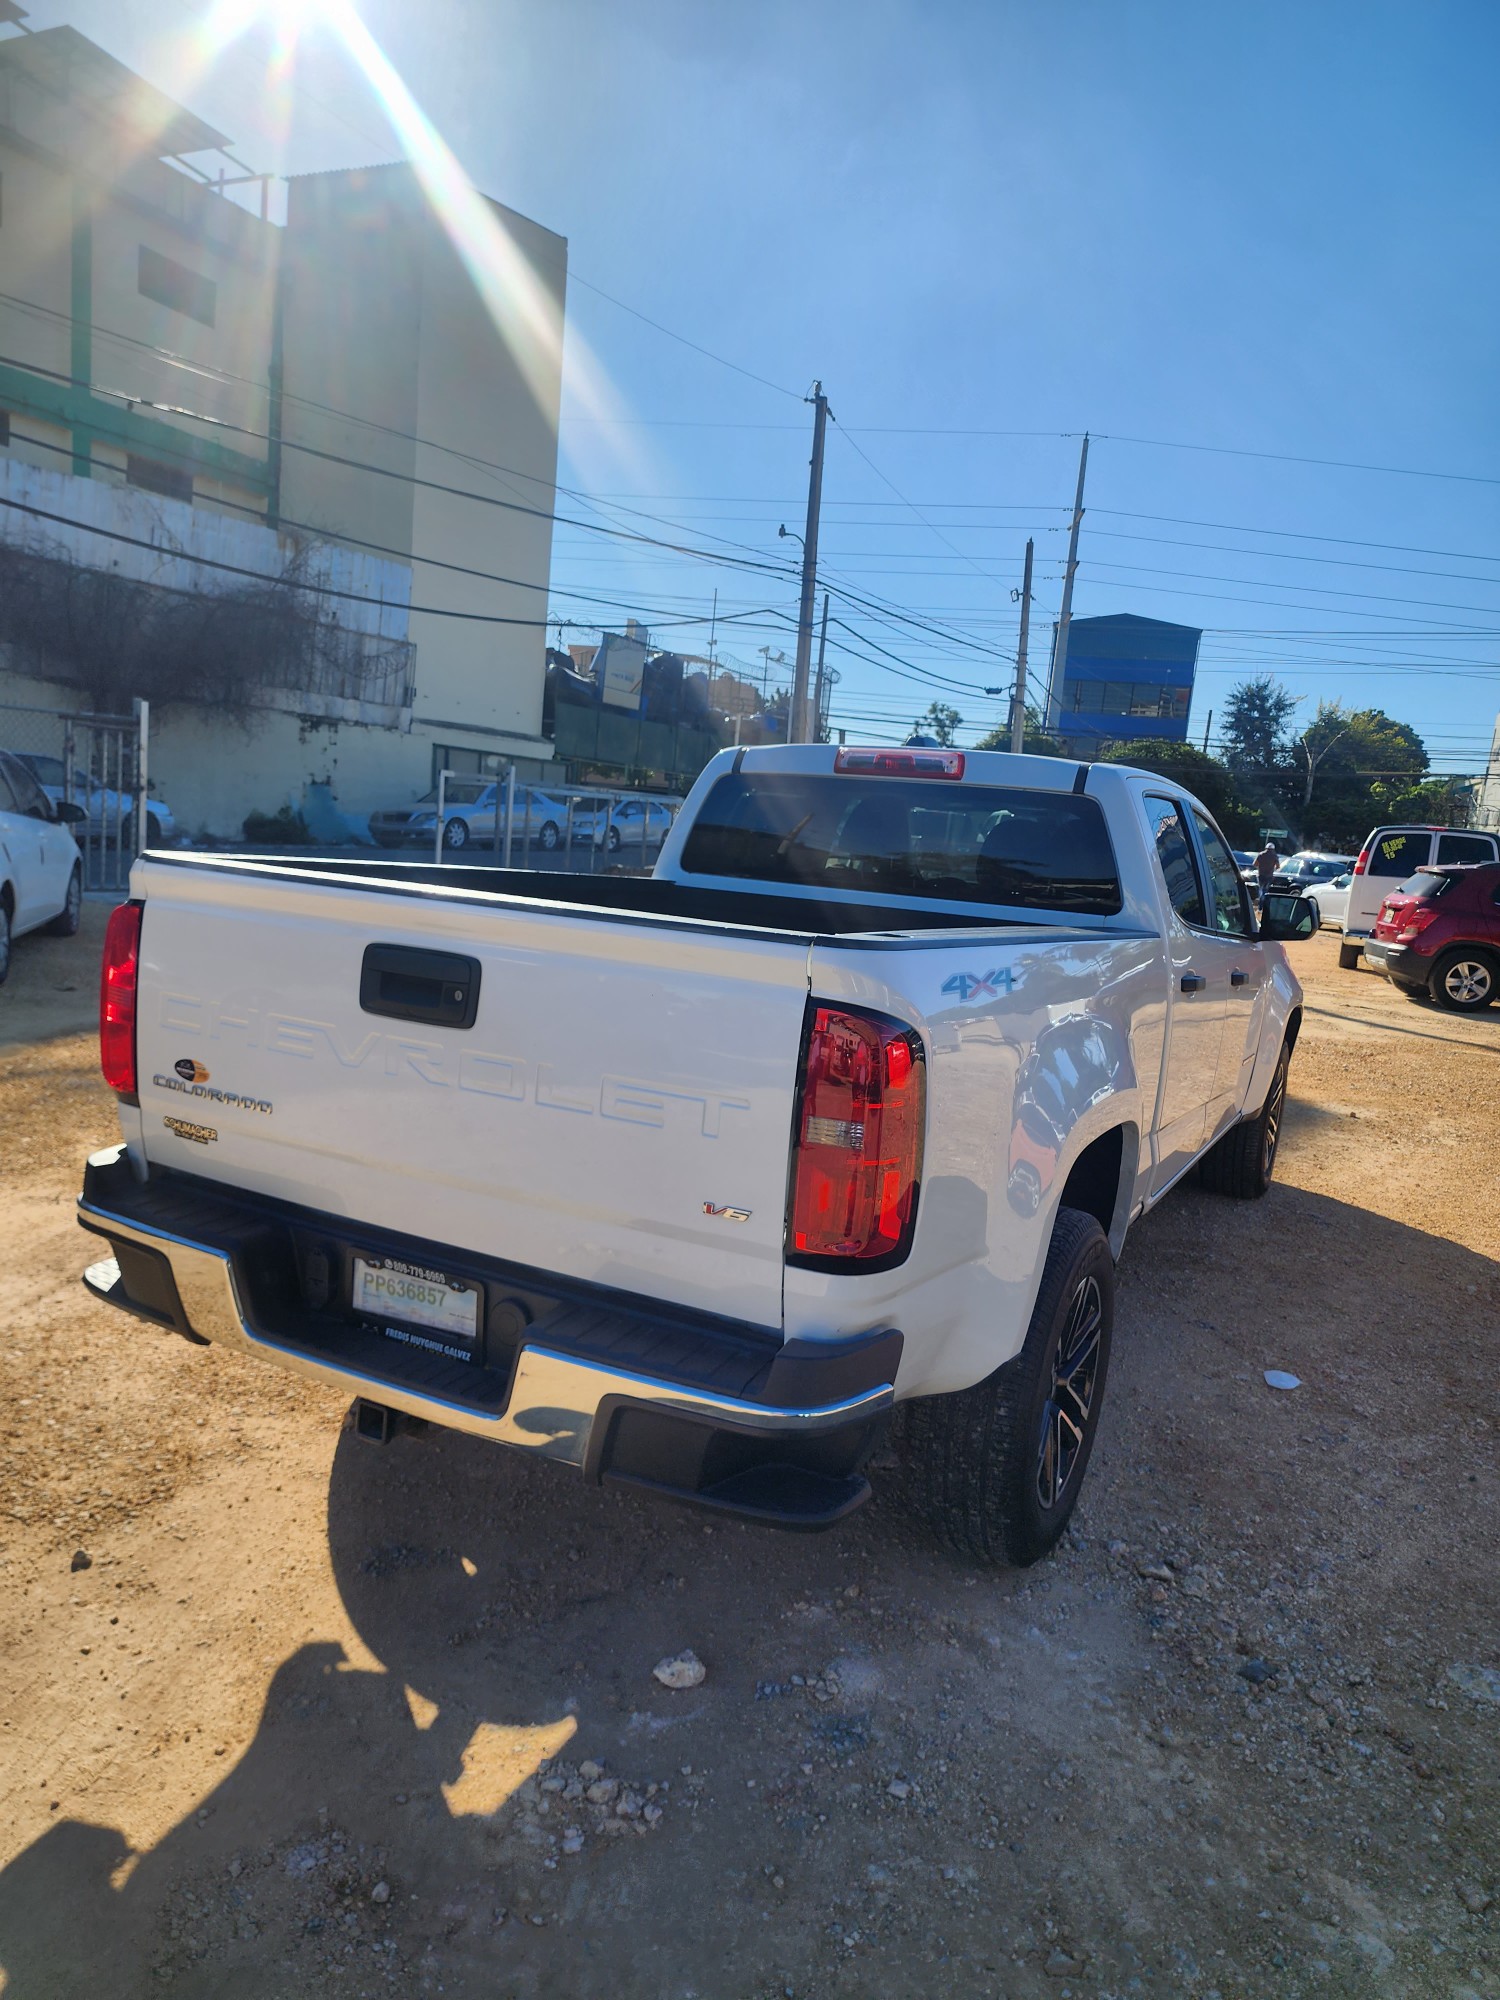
727, 1417
1398, 962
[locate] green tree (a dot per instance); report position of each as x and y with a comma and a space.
1204, 776
1035, 741
942, 721
1356, 766
1254, 732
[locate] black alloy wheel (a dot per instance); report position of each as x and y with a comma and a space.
1270, 1118
1065, 1415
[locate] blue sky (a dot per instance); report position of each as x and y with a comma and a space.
1269, 231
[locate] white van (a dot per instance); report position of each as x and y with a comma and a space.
1389, 855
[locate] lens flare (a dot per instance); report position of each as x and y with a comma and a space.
525, 312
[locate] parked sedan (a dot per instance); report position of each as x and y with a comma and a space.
1304, 871
103, 808
41, 871
470, 806
1332, 899
632, 825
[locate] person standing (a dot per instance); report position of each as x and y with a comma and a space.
1266, 864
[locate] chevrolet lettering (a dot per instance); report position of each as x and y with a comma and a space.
686, 1181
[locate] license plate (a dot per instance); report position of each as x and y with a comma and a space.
446, 1311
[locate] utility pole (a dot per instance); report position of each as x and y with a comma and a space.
1018, 699
1206, 728
1065, 615
816, 735
797, 731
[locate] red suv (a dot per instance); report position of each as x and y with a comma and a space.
1439, 934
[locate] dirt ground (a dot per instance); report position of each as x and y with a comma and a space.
324, 1719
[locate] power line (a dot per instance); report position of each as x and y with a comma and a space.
1290, 458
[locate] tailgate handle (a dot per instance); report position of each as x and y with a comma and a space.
438, 988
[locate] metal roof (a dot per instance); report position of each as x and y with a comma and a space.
84, 75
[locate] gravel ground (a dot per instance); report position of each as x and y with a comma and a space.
319, 1719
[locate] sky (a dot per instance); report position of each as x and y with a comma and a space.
1250, 250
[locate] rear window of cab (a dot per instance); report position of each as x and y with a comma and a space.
928, 839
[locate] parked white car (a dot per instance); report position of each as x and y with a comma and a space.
41, 871
1389, 856
104, 808
1332, 899
631, 824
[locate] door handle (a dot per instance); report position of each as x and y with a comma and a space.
1238, 978
409, 984
1193, 982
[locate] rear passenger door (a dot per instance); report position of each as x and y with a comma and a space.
1238, 959
1195, 1004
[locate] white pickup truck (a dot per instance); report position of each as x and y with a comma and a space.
689, 1181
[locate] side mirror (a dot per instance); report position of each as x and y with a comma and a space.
1288, 918
67, 812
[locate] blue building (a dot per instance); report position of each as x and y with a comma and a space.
1124, 677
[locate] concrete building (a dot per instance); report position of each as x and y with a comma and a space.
1487, 793
194, 396
1125, 677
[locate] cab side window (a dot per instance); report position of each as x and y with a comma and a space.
1174, 854
1231, 912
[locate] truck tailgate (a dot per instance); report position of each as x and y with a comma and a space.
618, 1112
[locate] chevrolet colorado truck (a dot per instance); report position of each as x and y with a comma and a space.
691, 1181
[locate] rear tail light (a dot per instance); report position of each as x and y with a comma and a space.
857, 1160
900, 763
1414, 922
117, 986
1361, 861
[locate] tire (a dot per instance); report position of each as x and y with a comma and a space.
548, 837
1243, 1162
1465, 981
1349, 955
4, 942
613, 839
153, 830
996, 1470
65, 923
456, 834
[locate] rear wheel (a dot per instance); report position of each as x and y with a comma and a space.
996, 1469
1349, 954
549, 835
4, 942
456, 833
1464, 980
1243, 1161
65, 923
613, 838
